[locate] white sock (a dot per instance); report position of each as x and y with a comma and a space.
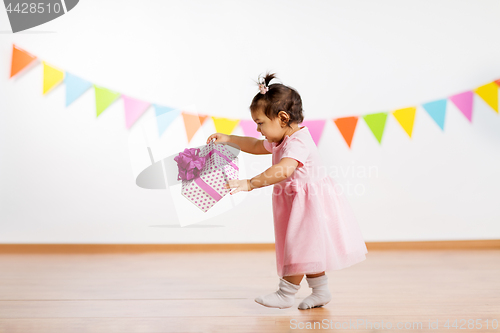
320, 293
283, 298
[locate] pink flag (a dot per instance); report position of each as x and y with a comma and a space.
250, 128
134, 108
463, 101
315, 128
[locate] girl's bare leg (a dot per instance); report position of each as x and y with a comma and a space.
295, 279
315, 275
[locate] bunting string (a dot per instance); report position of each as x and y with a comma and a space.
165, 115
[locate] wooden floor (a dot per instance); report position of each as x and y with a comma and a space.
215, 291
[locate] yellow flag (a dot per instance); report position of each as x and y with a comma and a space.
489, 93
225, 125
51, 77
405, 117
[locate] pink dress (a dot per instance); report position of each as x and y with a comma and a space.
314, 227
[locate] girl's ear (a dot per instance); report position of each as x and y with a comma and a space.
284, 117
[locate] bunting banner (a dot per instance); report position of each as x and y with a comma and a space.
437, 111
20, 60
376, 123
75, 87
51, 77
103, 98
192, 123
164, 117
316, 128
405, 118
347, 126
249, 128
134, 108
489, 93
463, 102
225, 125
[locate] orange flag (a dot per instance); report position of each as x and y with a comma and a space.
192, 123
346, 126
20, 59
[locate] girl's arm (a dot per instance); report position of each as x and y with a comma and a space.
275, 173
248, 144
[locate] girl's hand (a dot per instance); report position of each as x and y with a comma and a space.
239, 184
219, 138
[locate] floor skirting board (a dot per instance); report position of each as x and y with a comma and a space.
484, 244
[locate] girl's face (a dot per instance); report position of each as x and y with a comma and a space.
271, 129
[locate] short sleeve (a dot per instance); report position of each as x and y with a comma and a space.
268, 146
296, 148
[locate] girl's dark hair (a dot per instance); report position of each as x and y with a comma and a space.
278, 98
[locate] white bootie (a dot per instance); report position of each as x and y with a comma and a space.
283, 298
320, 293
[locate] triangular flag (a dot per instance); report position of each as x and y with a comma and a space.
192, 123
104, 98
346, 126
463, 102
376, 122
225, 125
75, 87
51, 77
202, 118
437, 110
20, 59
164, 117
315, 128
489, 93
497, 82
134, 108
249, 128
406, 117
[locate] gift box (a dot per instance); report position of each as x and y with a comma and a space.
204, 172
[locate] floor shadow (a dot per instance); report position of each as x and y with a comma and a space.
27, 32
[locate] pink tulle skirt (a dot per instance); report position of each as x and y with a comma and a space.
315, 228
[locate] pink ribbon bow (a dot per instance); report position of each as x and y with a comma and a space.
189, 163
263, 89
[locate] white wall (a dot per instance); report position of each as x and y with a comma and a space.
67, 177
